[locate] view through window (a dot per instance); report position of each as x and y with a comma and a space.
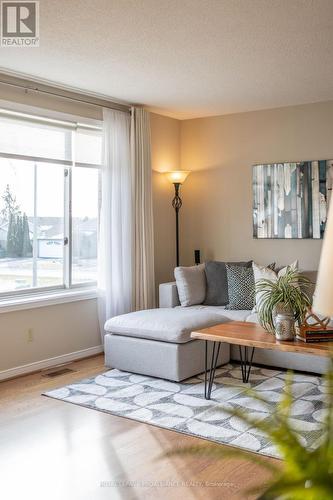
48, 205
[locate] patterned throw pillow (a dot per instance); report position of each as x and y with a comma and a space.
241, 289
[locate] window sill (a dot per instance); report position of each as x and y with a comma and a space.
46, 299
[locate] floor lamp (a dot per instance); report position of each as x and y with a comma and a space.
177, 178
323, 297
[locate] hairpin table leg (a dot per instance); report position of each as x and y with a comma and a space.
245, 362
212, 369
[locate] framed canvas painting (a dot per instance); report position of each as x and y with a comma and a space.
290, 200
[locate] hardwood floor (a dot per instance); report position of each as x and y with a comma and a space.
58, 451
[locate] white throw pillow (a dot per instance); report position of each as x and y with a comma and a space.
262, 272
191, 284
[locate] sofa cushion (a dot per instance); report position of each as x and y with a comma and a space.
217, 282
166, 324
191, 284
236, 315
232, 315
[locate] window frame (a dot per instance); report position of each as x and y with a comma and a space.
68, 166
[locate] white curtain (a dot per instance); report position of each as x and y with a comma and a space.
126, 248
143, 237
115, 258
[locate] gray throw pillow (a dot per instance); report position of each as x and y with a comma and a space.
217, 281
191, 284
241, 288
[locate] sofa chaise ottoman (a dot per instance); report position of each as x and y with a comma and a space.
156, 342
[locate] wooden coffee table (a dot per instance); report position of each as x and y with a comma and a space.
248, 336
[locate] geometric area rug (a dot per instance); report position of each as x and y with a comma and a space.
181, 406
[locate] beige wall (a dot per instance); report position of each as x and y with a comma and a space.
56, 330
221, 151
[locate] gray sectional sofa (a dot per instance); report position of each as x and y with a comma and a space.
157, 342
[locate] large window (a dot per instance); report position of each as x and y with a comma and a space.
49, 202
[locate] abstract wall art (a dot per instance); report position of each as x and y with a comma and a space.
290, 200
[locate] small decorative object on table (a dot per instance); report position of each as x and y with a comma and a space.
283, 303
284, 322
314, 329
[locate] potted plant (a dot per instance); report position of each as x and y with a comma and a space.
306, 474
283, 302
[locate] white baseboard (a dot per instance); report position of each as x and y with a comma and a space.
48, 363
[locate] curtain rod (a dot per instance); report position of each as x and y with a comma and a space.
63, 94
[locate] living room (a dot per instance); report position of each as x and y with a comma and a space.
232, 96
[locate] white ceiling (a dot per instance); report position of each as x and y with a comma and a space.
186, 58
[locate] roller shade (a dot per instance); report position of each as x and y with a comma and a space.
88, 146
29, 137
21, 137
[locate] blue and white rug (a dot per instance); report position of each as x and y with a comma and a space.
183, 408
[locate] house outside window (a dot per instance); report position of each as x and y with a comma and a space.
49, 203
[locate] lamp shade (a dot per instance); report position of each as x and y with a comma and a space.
177, 176
323, 297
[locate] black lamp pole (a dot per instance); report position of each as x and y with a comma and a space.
177, 203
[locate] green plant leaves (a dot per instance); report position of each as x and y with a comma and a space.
290, 289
